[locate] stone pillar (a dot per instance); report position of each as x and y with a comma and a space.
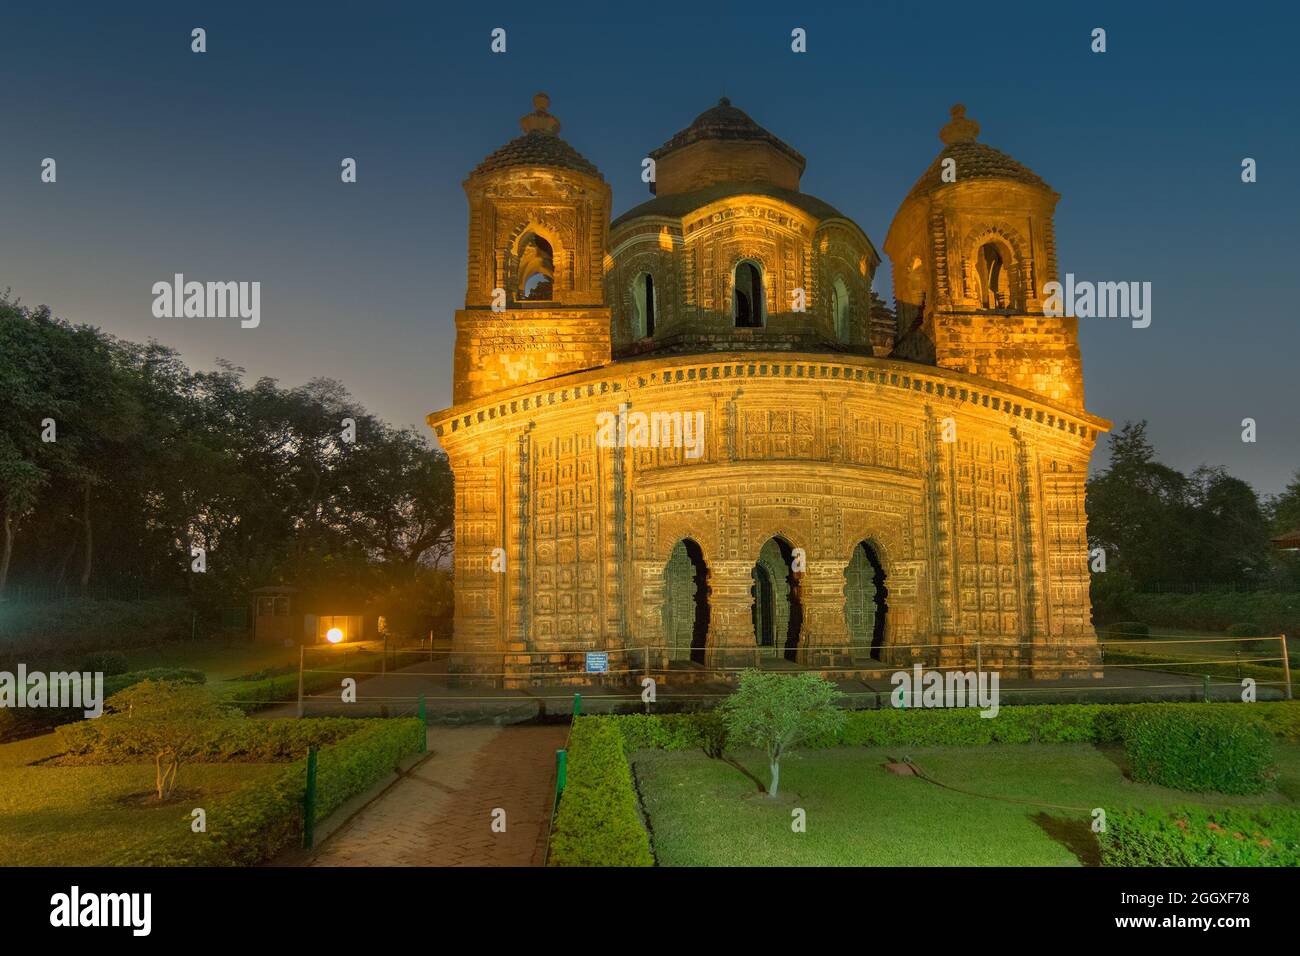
731, 623
649, 629
825, 638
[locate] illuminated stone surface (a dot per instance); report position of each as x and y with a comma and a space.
926, 470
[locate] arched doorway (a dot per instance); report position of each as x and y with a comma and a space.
686, 602
747, 306
776, 608
864, 602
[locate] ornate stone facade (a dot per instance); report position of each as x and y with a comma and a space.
694, 431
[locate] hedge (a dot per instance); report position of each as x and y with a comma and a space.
1196, 836
280, 688
256, 823
1200, 750
598, 822
111, 739
962, 726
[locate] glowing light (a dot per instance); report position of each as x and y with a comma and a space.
333, 635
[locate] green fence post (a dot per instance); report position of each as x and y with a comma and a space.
309, 801
577, 705
1205, 685
561, 770
422, 711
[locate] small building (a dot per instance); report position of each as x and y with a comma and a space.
288, 614
1288, 542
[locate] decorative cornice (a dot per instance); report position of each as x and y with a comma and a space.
620, 378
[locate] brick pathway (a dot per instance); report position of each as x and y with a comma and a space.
441, 814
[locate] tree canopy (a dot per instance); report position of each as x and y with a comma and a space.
116, 460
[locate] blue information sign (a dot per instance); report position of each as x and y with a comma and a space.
597, 662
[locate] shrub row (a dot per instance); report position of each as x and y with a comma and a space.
256, 823
598, 822
114, 738
252, 695
1196, 836
1028, 723
1202, 750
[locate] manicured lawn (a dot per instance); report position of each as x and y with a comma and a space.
704, 812
65, 816
220, 660
260, 671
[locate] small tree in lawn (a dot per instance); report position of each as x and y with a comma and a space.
163, 717
779, 711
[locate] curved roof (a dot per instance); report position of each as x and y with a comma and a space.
974, 160
539, 146
726, 122
678, 205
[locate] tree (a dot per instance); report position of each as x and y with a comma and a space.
777, 712
165, 718
1285, 508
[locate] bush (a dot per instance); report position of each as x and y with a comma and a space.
115, 739
170, 675
1195, 836
1200, 750
1111, 596
597, 822
667, 731
1128, 629
1246, 630
256, 823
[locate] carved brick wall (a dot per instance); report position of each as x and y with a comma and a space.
981, 538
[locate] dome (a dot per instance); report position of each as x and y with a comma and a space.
680, 205
726, 122
974, 160
539, 146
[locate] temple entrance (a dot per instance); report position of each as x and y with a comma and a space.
776, 609
686, 602
864, 602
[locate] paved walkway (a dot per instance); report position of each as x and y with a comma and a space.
441, 814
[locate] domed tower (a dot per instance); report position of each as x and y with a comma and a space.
972, 247
534, 302
731, 255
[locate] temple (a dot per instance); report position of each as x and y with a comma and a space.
829, 482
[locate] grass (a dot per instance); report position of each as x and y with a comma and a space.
704, 812
74, 816
1176, 644
261, 671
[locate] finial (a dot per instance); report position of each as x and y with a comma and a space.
539, 120
724, 102
959, 129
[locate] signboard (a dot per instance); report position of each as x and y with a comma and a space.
597, 662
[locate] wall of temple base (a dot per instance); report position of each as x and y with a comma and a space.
958, 503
